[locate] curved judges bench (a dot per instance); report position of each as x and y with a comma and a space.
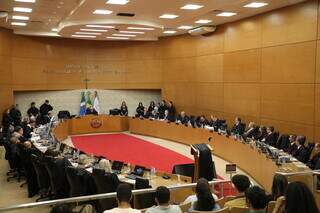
247, 157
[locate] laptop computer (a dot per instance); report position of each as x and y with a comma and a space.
137, 172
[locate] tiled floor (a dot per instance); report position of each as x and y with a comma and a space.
12, 194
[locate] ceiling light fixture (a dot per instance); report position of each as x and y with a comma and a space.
88, 33
25, 18
169, 32
99, 26
18, 24
94, 30
226, 14
22, 9
83, 36
120, 38
102, 12
119, 2
131, 32
168, 16
203, 21
26, 1
123, 35
191, 7
185, 27
54, 29
256, 4
140, 28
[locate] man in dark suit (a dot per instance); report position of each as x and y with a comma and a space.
251, 132
16, 115
162, 108
292, 144
301, 154
168, 117
214, 122
271, 138
171, 109
315, 159
182, 118
33, 110
201, 122
238, 127
45, 108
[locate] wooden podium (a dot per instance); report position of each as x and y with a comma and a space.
196, 154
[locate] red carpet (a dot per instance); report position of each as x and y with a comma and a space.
129, 149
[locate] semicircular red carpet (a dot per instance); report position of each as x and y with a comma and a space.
130, 149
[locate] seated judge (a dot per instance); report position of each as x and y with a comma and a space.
315, 158
238, 127
45, 108
162, 199
271, 138
123, 109
201, 121
182, 118
251, 132
140, 110
301, 154
292, 144
124, 196
91, 111
167, 116
33, 110
214, 122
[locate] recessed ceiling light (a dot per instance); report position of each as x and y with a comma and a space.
20, 18
131, 32
22, 9
27, 1
83, 36
94, 30
99, 26
102, 12
140, 28
191, 7
18, 24
168, 16
88, 33
185, 27
226, 14
169, 32
256, 4
124, 35
121, 2
120, 38
54, 29
203, 21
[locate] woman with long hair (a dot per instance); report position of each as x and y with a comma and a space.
279, 186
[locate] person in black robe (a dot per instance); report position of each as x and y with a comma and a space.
45, 108
33, 110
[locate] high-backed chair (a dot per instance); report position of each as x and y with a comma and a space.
76, 182
145, 200
185, 206
223, 210
239, 210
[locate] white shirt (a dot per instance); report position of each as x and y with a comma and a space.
166, 209
193, 198
122, 210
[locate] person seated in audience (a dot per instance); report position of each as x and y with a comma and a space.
171, 109
214, 122
279, 186
124, 196
140, 110
301, 154
241, 183
27, 127
162, 108
151, 106
238, 127
292, 146
297, 199
45, 108
167, 116
19, 134
15, 114
123, 109
271, 138
251, 132
162, 198
193, 198
262, 133
314, 160
33, 110
256, 199
201, 121
154, 114
146, 113
205, 200
91, 111
182, 118
105, 165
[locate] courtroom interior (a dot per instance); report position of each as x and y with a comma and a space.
173, 106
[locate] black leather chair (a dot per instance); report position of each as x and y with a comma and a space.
145, 200
105, 183
283, 142
78, 187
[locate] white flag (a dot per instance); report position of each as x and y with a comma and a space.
96, 102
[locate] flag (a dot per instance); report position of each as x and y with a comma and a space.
88, 100
96, 102
82, 105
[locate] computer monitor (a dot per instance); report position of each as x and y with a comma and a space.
139, 170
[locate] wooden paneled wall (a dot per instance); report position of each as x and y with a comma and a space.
264, 68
